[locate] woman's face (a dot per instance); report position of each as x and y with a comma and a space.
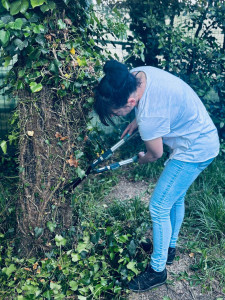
122, 111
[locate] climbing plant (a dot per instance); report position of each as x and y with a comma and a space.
56, 50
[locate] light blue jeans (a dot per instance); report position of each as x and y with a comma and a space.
167, 206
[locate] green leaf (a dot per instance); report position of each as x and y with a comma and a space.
4, 36
7, 61
73, 285
24, 6
82, 247
38, 29
54, 67
90, 100
75, 257
15, 7
131, 266
6, 4
8, 271
51, 5
61, 24
20, 44
36, 3
60, 241
18, 24
123, 238
78, 154
21, 73
2, 25
132, 248
4, 146
38, 231
51, 226
80, 172
81, 298
40, 40
55, 286
35, 87
82, 61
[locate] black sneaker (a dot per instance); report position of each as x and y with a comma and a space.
171, 255
148, 280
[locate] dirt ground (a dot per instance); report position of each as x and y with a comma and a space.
175, 288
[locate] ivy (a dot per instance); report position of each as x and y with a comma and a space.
4, 36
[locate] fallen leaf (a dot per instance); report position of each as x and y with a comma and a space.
64, 138
58, 135
72, 162
30, 132
74, 64
191, 254
35, 266
48, 37
72, 51
27, 269
67, 75
68, 21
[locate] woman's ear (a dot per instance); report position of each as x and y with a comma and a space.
131, 101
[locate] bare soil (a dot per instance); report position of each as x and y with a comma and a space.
176, 288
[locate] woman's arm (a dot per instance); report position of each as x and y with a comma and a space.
154, 151
130, 128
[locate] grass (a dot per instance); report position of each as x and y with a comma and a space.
205, 204
205, 225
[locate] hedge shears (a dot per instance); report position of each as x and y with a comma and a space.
105, 156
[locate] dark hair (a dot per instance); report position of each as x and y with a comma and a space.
113, 90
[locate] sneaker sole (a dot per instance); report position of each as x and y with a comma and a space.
152, 287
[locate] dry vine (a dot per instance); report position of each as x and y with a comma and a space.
50, 127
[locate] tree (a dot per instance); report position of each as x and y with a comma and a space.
179, 36
56, 65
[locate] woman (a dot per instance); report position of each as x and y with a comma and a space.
168, 112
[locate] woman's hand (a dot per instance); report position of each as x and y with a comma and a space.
154, 151
130, 128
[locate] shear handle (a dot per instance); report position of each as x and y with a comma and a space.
117, 165
107, 154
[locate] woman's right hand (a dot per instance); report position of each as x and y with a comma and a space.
130, 128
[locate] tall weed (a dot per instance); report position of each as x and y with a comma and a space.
206, 205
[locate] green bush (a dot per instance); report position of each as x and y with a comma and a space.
105, 254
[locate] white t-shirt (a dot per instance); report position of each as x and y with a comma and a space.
170, 109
